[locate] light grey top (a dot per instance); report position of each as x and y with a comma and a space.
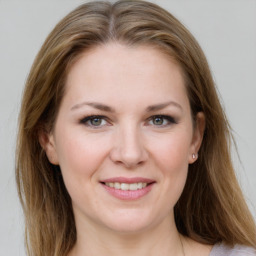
238, 250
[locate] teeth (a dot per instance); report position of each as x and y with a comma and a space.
133, 186
117, 185
126, 186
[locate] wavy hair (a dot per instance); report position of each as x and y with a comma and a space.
211, 208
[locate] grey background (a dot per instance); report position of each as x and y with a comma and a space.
226, 31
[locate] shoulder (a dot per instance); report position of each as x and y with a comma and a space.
222, 249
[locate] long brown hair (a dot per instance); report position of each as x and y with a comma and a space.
211, 208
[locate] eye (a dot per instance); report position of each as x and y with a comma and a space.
161, 120
94, 121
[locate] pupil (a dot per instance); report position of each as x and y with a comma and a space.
158, 120
96, 121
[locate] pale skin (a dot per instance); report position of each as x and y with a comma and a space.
141, 127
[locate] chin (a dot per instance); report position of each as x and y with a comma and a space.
130, 222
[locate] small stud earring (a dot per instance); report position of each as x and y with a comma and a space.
194, 156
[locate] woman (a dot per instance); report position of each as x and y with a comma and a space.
123, 146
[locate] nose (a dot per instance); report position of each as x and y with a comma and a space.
128, 149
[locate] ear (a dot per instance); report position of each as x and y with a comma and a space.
47, 142
198, 135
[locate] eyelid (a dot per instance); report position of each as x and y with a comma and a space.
88, 118
171, 120
85, 120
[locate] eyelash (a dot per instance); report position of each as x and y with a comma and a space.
170, 120
88, 120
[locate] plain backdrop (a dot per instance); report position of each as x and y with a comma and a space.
226, 30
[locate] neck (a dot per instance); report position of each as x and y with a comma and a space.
163, 240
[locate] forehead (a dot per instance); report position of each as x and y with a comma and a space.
123, 70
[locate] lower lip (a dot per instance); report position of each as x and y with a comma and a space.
128, 194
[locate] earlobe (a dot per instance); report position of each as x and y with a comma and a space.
197, 136
47, 142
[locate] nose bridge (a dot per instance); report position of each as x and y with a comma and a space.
128, 147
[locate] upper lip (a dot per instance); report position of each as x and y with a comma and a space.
128, 180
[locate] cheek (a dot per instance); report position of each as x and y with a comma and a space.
172, 151
80, 156
79, 160
171, 157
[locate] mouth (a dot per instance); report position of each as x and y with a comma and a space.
126, 186
128, 189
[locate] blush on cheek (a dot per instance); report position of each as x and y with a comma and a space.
173, 155
174, 167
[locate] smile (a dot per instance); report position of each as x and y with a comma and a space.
126, 186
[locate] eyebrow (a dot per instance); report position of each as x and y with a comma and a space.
162, 106
106, 108
94, 105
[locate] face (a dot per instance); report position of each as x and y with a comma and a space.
124, 137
